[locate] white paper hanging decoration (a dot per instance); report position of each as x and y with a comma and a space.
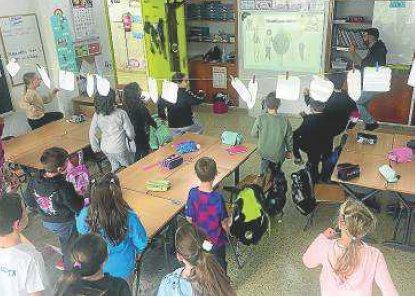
153, 93
66, 80
13, 67
44, 75
253, 88
103, 85
90, 85
170, 91
354, 84
412, 76
376, 79
320, 89
241, 89
288, 88
145, 96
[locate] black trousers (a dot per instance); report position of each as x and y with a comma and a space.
47, 118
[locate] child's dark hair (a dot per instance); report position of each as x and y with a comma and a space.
206, 169
207, 277
54, 158
10, 212
87, 255
272, 102
105, 105
131, 94
108, 211
178, 77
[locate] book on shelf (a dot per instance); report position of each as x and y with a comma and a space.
346, 37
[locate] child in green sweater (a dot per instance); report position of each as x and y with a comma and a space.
274, 133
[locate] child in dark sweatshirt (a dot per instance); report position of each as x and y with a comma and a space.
55, 198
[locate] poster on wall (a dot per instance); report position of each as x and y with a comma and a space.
128, 40
22, 41
86, 36
63, 41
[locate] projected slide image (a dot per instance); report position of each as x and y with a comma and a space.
284, 41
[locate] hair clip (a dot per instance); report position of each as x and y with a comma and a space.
77, 265
207, 246
112, 180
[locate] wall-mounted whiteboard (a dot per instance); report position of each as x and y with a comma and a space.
21, 40
396, 22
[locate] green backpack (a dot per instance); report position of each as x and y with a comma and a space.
231, 138
159, 136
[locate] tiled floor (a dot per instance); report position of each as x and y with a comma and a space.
276, 267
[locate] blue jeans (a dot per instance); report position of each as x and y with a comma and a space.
220, 255
362, 105
64, 231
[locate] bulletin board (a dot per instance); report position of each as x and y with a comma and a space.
22, 40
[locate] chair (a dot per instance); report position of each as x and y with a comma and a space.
326, 195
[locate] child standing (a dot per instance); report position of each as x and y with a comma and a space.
33, 103
206, 209
349, 266
139, 117
21, 265
55, 198
115, 129
200, 275
275, 135
86, 277
111, 217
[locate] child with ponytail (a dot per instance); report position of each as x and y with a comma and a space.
349, 266
86, 278
200, 275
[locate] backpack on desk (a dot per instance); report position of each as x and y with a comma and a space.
231, 138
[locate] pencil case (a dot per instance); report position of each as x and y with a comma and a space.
160, 185
172, 161
347, 171
186, 147
366, 138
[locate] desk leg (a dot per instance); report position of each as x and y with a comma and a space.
395, 243
237, 176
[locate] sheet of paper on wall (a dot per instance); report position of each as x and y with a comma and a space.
219, 77
44, 75
354, 84
320, 89
103, 85
253, 88
13, 67
170, 91
376, 79
288, 89
153, 92
66, 80
412, 76
241, 89
90, 85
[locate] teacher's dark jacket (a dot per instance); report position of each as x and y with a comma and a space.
376, 53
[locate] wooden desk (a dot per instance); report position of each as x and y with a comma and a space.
383, 146
153, 212
27, 149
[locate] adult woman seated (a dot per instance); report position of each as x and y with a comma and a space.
179, 115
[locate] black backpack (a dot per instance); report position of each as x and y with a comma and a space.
249, 228
303, 194
275, 197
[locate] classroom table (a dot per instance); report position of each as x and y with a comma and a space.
370, 158
27, 149
182, 178
154, 213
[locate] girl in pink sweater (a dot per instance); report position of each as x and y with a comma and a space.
349, 266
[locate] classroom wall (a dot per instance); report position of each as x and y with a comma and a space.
44, 9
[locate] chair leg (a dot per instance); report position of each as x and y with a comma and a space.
397, 225
236, 252
408, 229
310, 219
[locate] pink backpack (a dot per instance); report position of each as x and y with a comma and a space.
78, 175
401, 155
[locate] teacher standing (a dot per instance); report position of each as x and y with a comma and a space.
376, 55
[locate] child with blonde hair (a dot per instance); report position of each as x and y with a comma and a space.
349, 266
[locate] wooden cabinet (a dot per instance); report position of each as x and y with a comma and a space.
201, 78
